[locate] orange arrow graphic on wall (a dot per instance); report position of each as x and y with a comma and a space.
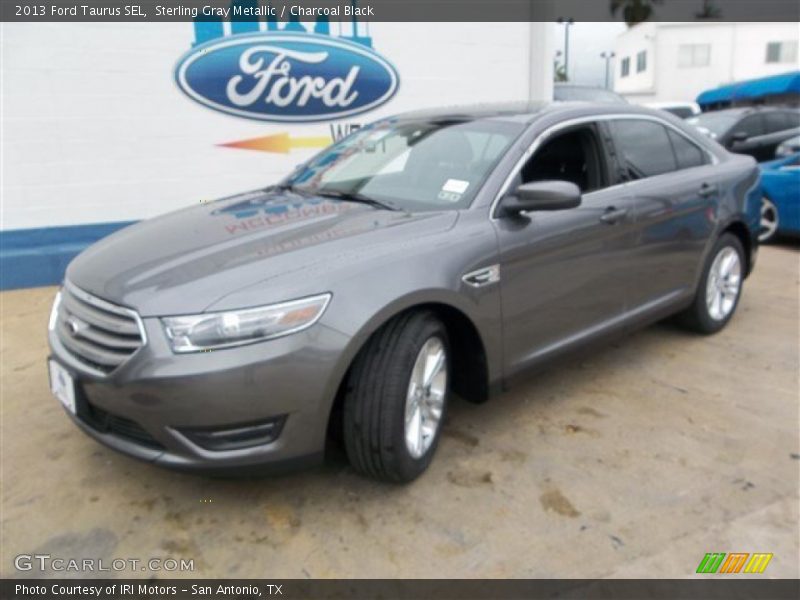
281, 143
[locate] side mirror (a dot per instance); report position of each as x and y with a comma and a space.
739, 136
542, 195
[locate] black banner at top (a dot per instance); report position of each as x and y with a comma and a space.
630, 11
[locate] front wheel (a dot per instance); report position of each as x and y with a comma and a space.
396, 398
769, 221
720, 287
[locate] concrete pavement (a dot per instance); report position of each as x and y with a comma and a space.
632, 461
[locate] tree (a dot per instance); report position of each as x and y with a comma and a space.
559, 70
709, 11
634, 11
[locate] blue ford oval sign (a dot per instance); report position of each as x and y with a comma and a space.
286, 77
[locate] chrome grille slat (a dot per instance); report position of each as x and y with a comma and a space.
103, 319
111, 341
89, 351
95, 332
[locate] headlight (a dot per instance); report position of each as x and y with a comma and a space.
234, 328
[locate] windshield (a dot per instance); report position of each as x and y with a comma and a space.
716, 123
409, 165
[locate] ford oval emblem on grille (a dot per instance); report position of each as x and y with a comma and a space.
75, 325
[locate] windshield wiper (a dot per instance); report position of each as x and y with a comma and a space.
355, 197
287, 187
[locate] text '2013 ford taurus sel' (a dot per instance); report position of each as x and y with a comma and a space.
425, 254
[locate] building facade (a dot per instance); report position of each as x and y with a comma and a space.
102, 128
664, 62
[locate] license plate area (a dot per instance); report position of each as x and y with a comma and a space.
62, 385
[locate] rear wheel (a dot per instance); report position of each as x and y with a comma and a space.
720, 287
396, 398
769, 220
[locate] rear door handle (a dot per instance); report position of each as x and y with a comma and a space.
707, 190
613, 215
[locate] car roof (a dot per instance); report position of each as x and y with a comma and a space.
561, 84
522, 112
516, 111
675, 103
746, 110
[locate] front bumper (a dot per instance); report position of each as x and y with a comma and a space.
155, 397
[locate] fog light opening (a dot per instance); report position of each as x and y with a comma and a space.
236, 437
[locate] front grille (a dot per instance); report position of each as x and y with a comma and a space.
97, 333
104, 422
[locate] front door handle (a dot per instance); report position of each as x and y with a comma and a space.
707, 190
613, 215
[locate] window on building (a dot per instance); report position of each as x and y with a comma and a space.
694, 55
625, 67
641, 61
782, 52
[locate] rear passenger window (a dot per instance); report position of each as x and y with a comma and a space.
687, 154
644, 148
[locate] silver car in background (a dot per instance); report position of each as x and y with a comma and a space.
427, 254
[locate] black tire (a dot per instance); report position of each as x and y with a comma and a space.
375, 399
697, 317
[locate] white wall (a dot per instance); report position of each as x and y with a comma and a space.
737, 52
95, 130
750, 48
628, 44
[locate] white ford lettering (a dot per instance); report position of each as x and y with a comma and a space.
286, 89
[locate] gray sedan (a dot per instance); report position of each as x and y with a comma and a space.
424, 255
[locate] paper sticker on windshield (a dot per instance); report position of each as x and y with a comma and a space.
455, 186
449, 196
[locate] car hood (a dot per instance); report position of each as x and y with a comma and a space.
185, 262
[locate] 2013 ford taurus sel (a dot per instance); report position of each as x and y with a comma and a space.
425, 254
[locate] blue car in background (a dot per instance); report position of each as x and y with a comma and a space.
780, 206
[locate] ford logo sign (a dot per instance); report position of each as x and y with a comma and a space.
286, 77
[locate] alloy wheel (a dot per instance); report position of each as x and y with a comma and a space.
724, 283
425, 398
769, 220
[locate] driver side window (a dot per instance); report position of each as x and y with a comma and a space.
751, 126
574, 155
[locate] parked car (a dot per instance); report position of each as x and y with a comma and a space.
789, 147
682, 110
753, 131
567, 92
780, 207
426, 253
